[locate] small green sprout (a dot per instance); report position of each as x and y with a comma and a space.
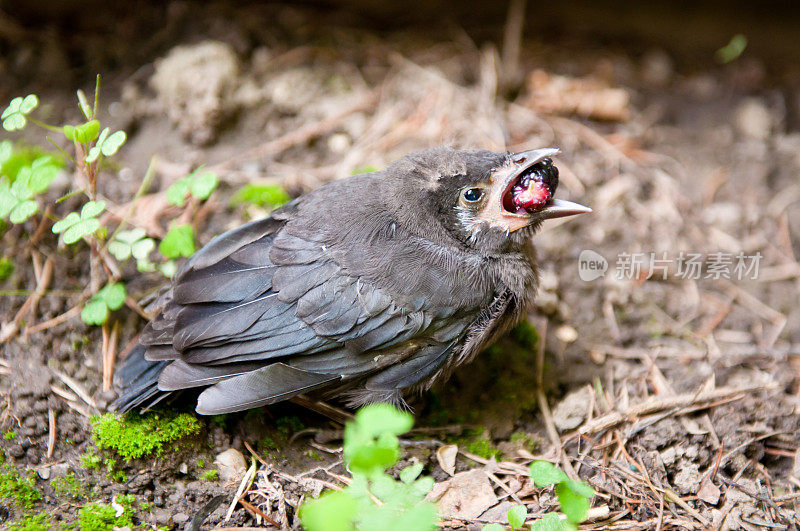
133, 243
179, 241
10, 435
97, 310
732, 50
370, 447
211, 475
261, 195
75, 226
106, 144
516, 516
574, 497
200, 184
84, 133
14, 116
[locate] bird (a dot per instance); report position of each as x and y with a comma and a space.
363, 290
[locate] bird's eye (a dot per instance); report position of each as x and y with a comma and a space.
472, 195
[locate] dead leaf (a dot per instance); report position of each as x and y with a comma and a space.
446, 456
709, 493
466, 496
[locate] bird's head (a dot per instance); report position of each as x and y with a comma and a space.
483, 199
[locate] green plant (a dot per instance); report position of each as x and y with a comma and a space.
199, 184
14, 486
68, 486
371, 447
179, 241
135, 436
211, 475
97, 516
261, 195
26, 174
31, 522
6, 268
111, 297
10, 435
574, 497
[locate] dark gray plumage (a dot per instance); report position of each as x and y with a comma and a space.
363, 288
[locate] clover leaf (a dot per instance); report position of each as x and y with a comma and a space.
14, 116
544, 474
133, 243
198, 183
74, 226
15, 201
111, 297
84, 133
263, 195
516, 516
179, 241
106, 144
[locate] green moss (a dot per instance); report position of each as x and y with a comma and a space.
314, 455
524, 439
482, 448
477, 442
100, 517
525, 334
68, 486
10, 435
288, 426
201, 463
31, 522
136, 436
21, 489
211, 475
90, 460
267, 443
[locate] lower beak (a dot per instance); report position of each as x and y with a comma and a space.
559, 208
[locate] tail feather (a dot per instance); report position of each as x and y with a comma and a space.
137, 381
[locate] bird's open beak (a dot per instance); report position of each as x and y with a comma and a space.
497, 212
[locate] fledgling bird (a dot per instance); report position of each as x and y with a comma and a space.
363, 289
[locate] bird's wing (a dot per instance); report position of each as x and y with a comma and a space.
262, 315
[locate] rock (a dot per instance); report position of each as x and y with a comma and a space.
59, 470
687, 480
571, 411
231, 466
752, 118
180, 518
464, 497
657, 68
195, 87
162, 516
498, 513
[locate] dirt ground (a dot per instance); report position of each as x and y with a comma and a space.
675, 392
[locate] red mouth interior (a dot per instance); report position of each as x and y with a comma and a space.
528, 193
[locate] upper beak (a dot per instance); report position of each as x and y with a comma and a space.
504, 178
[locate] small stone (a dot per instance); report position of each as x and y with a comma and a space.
59, 470
571, 411
567, 334
162, 516
180, 518
687, 480
752, 118
657, 68
231, 466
